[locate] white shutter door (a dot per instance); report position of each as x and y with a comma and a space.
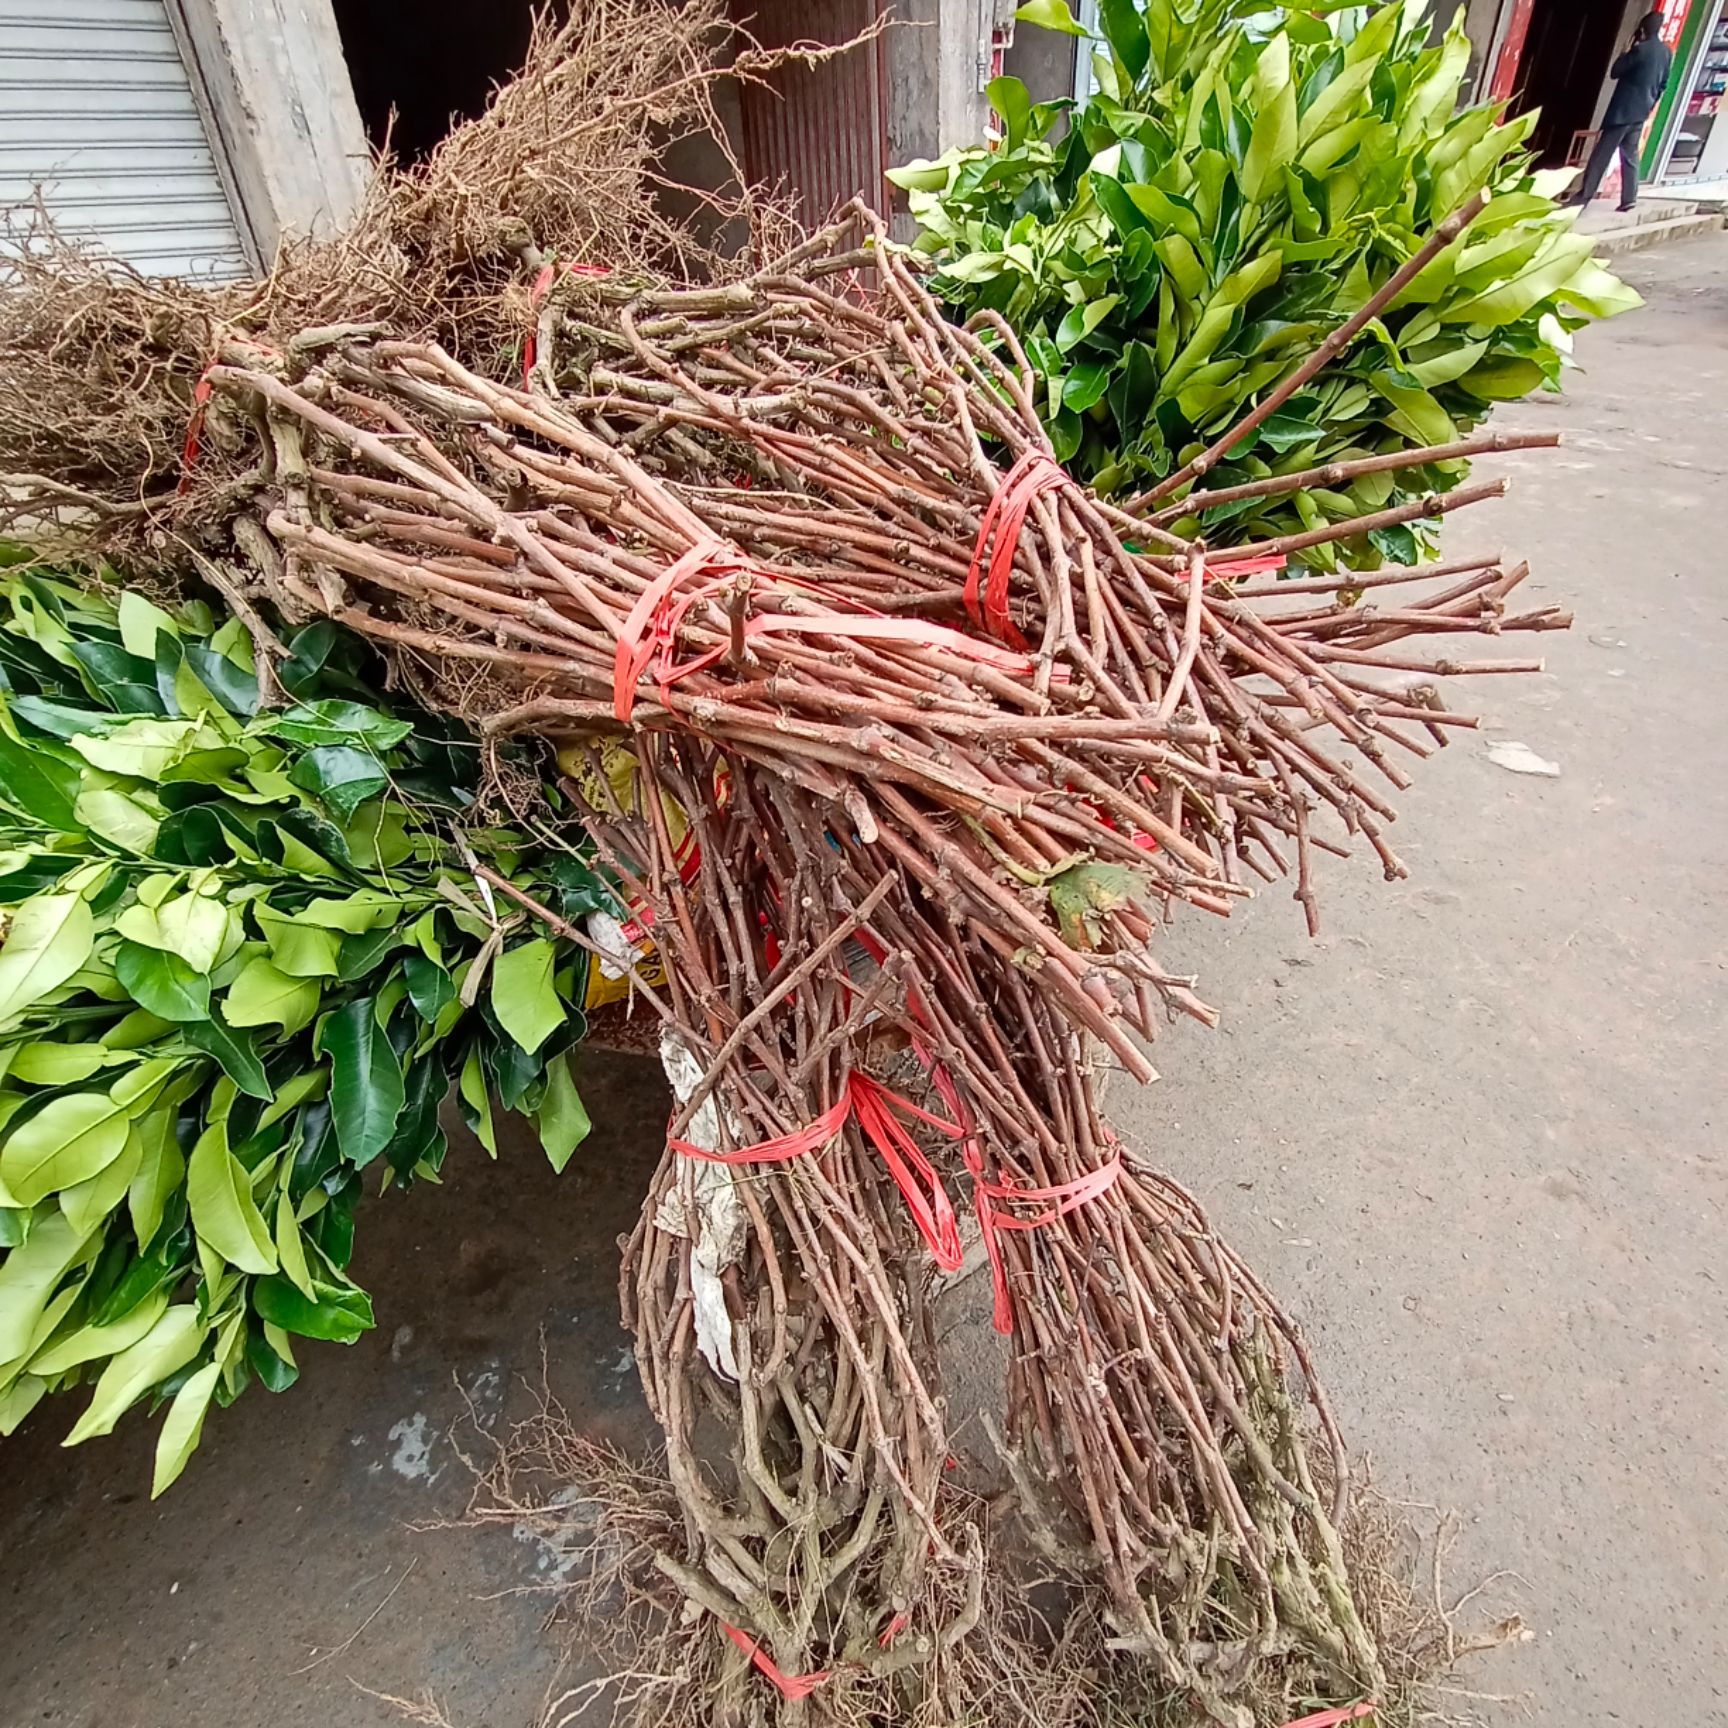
97, 112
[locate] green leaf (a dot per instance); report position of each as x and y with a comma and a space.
366, 1089
1085, 385
46, 1063
161, 983
119, 819
561, 1119
28, 1277
1125, 31
1080, 321
299, 948
143, 748
264, 995
48, 939
219, 1195
1182, 267
235, 1050
183, 1427
194, 926
290, 1251
38, 785
140, 623
365, 909
169, 1345
87, 1203
1050, 15
338, 1316
342, 776
18, 1400
314, 724
430, 987
522, 994
160, 1173
477, 1102
1284, 431
1009, 98
90, 1343
67, 1141
1272, 144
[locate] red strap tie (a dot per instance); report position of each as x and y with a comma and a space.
1004, 517
1330, 1718
1234, 569
790, 1686
878, 1111
194, 432
649, 636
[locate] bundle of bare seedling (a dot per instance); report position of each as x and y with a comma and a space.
924, 743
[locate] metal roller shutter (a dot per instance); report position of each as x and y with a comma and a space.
97, 112
820, 133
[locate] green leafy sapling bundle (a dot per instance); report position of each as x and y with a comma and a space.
1243, 179
246, 955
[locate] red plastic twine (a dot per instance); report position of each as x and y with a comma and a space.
648, 639
1330, 1718
790, 1686
542, 287
1004, 517
876, 1110
194, 431
879, 1112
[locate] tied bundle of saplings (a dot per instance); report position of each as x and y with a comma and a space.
911, 687
246, 957
1241, 181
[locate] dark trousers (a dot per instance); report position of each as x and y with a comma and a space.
1612, 138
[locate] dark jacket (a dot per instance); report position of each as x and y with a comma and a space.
1640, 75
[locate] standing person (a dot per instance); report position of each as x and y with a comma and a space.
1640, 76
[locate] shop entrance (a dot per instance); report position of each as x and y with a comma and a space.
419, 65
1568, 48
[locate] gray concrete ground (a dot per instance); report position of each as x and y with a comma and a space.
1467, 1133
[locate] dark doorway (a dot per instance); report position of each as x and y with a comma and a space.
1567, 52
419, 65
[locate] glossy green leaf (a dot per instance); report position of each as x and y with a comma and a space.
477, 1103
219, 1194
69, 1140
169, 1345
299, 948
88, 1202
143, 748
38, 785
264, 995
1080, 321
1050, 15
1272, 145
340, 775
161, 983
160, 1173
28, 1277
333, 722
234, 1048
366, 1088
47, 939
183, 1427
290, 1251
522, 993
562, 1119
338, 1316
430, 987
91, 1343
